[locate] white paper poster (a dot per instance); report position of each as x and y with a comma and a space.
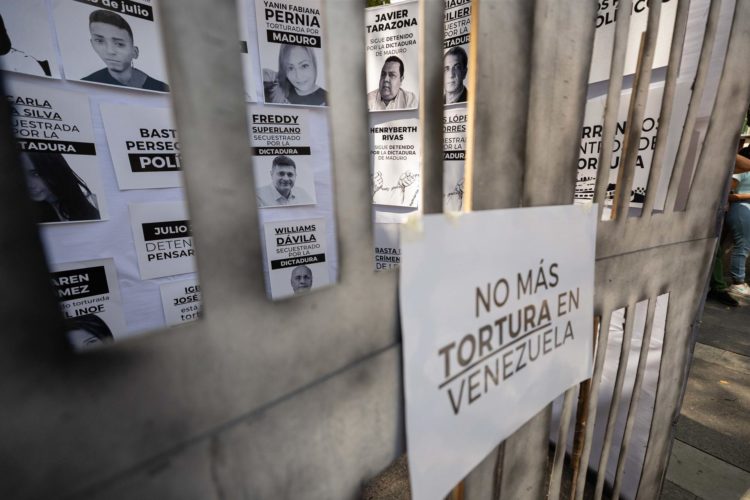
26, 39
394, 155
591, 142
163, 239
90, 300
112, 42
387, 246
456, 50
181, 301
392, 57
54, 133
497, 321
454, 154
144, 146
296, 256
290, 39
601, 57
282, 160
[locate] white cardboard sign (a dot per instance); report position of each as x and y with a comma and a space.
296, 256
291, 37
394, 156
89, 296
455, 120
163, 239
182, 301
392, 57
144, 146
497, 320
55, 135
30, 49
601, 57
112, 43
283, 161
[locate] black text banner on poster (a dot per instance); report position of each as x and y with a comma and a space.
125, 7
298, 261
80, 283
303, 150
153, 231
154, 162
293, 39
66, 147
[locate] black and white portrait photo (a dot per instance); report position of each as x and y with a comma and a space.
290, 41
390, 94
455, 69
58, 153
296, 257
392, 57
26, 39
286, 186
111, 46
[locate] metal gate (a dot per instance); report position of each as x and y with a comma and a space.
302, 398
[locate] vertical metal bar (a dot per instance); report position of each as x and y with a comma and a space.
596, 379
562, 443
214, 190
667, 104
633, 128
33, 332
496, 137
636, 393
431, 35
612, 106
584, 392
719, 145
560, 62
622, 366
699, 86
718, 149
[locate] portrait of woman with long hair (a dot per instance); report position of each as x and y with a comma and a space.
296, 80
58, 193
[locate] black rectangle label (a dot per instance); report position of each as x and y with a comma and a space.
166, 230
293, 38
454, 155
456, 40
165, 162
125, 7
298, 261
64, 147
80, 283
276, 151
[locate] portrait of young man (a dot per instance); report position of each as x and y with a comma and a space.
282, 191
113, 41
390, 95
455, 67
